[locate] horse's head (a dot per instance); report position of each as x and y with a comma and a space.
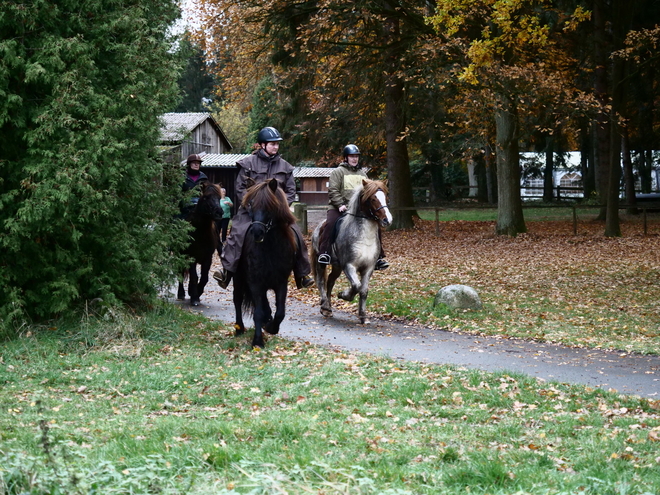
267, 206
209, 201
374, 201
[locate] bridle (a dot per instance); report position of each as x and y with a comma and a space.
372, 212
267, 226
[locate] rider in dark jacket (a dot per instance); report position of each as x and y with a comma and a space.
194, 177
264, 163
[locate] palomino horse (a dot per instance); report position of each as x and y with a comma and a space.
266, 260
204, 240
356, 246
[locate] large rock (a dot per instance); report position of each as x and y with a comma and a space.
458, 297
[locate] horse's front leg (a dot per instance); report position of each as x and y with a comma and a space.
204, 275
181, 293
238, 306
352, 276
192, 285
261, 316
364, 292
273, 326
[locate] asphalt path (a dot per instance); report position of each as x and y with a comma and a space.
623, 372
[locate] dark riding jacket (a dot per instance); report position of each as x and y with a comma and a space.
260, 166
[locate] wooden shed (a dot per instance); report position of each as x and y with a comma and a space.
183, 134
313, 184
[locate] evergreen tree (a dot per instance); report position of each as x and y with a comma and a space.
85, 206
196, 83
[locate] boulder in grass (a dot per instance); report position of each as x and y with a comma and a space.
458, 297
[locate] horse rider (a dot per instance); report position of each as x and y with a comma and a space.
264, 163
194, 177
343, 181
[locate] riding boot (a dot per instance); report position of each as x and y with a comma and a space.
223, 277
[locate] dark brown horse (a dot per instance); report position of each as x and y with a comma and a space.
203, 241
355, 248
266, 260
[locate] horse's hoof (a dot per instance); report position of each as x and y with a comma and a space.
364, 321
269, 329
326, 312
345, 297
194, 302
240, 330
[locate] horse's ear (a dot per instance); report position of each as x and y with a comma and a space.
272, 183
365, 182
249, 182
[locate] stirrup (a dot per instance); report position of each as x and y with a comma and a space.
324, 259
381, 264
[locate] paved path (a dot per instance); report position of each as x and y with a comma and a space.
623, 372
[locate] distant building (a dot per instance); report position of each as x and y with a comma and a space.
183, 134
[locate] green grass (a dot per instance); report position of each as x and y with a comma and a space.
166, 402
530, 213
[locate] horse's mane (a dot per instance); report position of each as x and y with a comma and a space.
211, 189
363, 193
262, 197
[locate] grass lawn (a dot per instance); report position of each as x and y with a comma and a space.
166, 402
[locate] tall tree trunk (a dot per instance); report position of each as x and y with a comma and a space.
548, 172
510, 220
587, 162
628, 174
601, 91
398, 162
491, 174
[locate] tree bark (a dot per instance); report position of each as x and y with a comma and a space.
548, 171
510, 220
628, 174
398, 162
601, 91
491, 174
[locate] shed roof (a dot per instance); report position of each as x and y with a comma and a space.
177, 126
305, 172
226, 160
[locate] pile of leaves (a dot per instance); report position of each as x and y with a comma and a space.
549, 284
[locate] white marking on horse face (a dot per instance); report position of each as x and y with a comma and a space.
383, 201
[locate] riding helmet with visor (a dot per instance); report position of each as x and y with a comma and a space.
350, 149
268, 134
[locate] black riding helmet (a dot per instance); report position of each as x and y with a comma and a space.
268, 134
350, 149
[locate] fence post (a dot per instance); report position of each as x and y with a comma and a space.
300, 212
437, 222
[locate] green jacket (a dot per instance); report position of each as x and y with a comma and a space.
342, 183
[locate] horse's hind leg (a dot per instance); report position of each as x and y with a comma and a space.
273, 326
204, 278
239, 327
192, 286
326, 292
181, 293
